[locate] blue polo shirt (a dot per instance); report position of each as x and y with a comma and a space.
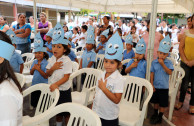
15, 62
140, 70
87, 57
161, 78
37, 77
72, 55
72, 45
129, 55
49, 45
101, 51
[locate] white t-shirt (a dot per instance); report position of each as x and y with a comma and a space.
136, 38
111, 23
174, 38
123, 28
138, 27
144, 29
59, 74
11, 103
102, 105
76, 37
82, 42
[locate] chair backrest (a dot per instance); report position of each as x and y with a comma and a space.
27, 65
75, 66
172, 60
100, 61
47, 98
125, 61
29, 57
79, 55
79, 115
174, 56
90, 79
21, 79
176, 77
133, 90
176, 51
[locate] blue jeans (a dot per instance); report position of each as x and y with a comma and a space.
25, 48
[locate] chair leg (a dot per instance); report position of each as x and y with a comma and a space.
171, 107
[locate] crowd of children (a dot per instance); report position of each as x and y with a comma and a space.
53, 65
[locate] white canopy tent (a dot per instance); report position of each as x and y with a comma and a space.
124, 6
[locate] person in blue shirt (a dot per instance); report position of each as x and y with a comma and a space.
16, 60
137, 66
100, 49
38, 68
89, 56
71, 55
128, 53
161, 68
49, 42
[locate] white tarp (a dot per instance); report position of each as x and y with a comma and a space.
123, 6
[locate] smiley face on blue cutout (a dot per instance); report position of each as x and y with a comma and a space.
140, 47
114, 48
129, 39
38, 43
11, 35
165, 45
58, 34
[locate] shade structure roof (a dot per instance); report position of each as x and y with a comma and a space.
123, 6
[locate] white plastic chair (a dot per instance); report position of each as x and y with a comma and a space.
130, 113
79, 116
21, 79
100, 63
125, 61
85, 97
172, 60
46, 101
75, 66
79, 55
174, 82
28, 62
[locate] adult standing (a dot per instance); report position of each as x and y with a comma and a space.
3, 24
158, 38
187, 63
106, 25
138, 26
31, 19
43, 26
22, 31
122, 27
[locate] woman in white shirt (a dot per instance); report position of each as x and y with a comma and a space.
11, 100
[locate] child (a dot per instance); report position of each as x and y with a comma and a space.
38, 68
161, 68
82, 38
16, 60
110, 84
128, 53
137, 66
49, 42
134, 35
71, 55
100, 49
11, 99
59, 69
89, 56
75, 36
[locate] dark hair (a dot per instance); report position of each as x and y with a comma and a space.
132, 28
117, 61
67, 49
189, 18
6, 71
148, 23
4, 18
107, 17
76, 28
172, 25
66, 27
192, 17
119, 31
46, 56
168, 33
21, 14
133, 22
85, 27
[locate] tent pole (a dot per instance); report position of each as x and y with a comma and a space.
35, 15
151, 37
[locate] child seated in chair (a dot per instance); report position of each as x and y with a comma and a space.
161, 68
128, 53
49, 42
137, 66
38, 68
16, 60
110, 84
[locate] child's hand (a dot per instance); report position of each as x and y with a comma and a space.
37, 66
47, 49
154, 89
100, 47
134, 64
161, 61
101, 84
53, 87
22, 30
57, 65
